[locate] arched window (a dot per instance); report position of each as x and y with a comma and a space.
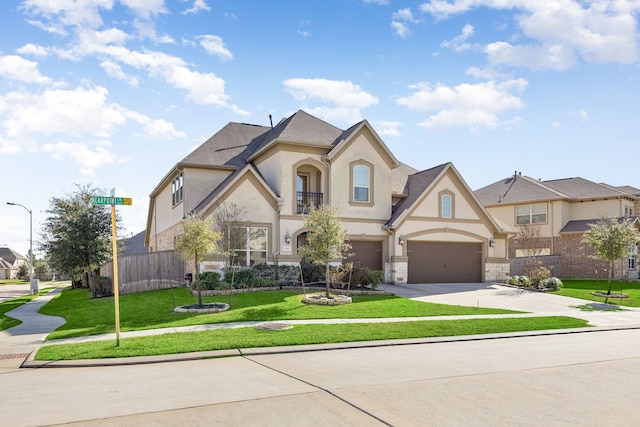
361, 183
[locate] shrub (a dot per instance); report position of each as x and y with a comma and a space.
536, 272
524, 281
242, 278
103, 286
375, 278
312, 273
514, 280
552, 283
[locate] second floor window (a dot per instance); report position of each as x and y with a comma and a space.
177, 191
361, 183
531, 214
446, 206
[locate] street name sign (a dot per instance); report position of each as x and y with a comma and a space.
104, 200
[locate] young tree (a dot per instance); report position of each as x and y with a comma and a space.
328, 239
197, 240
611, 239
76, 236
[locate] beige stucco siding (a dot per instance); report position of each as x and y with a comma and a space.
278, 167
199, 183
597, 209
362, 149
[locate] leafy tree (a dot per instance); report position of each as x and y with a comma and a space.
611, 239
76, 236
230, 221
40, 267
197, 240
328, 239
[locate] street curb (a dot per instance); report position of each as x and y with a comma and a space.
261, 351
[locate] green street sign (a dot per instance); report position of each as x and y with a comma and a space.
104, 200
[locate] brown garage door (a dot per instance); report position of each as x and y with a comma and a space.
367, 254
444, 262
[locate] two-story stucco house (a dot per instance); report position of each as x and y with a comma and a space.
416, 226
10, 262
559, 211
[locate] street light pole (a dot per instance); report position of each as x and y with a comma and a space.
33, 283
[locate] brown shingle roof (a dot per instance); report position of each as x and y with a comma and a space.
417, 183
523, 189
516, 189
580, 226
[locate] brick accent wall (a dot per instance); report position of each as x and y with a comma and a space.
576, 257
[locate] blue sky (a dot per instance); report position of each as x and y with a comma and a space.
115, 92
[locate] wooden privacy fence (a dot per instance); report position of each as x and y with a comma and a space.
147, 272
553, 262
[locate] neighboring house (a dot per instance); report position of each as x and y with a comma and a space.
10, 262
415, 226
557, 213
134, 245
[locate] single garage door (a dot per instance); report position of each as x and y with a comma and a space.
444, 262
367, 254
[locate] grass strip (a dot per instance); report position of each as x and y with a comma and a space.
222, 339
582, 288
151, 310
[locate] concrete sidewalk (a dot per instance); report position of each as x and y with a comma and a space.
17, 343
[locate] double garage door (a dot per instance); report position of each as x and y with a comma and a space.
444, 262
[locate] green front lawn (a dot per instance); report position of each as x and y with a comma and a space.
152, 310
582, 288
185, 342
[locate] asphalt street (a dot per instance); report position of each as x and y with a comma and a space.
585, 377
581, 379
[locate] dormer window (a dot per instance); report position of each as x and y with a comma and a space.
361, 183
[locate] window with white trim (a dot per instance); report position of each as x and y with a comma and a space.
177, 191
531, 214
361, 183
633, 252
250, 245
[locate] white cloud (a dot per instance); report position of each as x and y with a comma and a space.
32, 49
115, 71
74, 13
458, 43
400, 21
347, 98
16, 68
145, 9
386, 127
87, 157
557, 32
581, 114
161, 129
71, 112
198, 6
214, 45
471, 105
400, 29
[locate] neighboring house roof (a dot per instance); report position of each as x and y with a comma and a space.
523, 189
580, 226
5, 264
11, 256
580, 188
135, 245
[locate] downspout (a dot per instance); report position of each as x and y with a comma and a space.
328, 162
551, 222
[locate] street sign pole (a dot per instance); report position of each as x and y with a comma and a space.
113, 201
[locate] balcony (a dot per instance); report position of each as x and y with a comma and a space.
306, 200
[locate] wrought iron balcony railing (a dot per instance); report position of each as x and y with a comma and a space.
307, 200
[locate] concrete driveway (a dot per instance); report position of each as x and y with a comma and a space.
490, 295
